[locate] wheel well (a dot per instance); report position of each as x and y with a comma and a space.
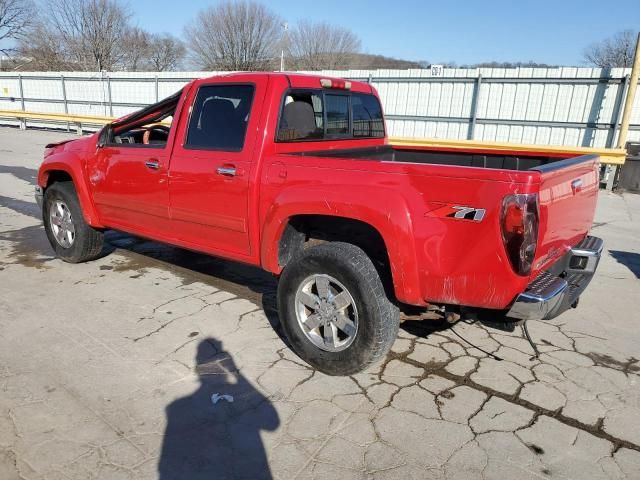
304, 231
57, 176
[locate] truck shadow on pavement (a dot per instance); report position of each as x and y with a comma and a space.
244, 281
630, 260
31, 248
215, 432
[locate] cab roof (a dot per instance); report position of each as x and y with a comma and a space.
301, 80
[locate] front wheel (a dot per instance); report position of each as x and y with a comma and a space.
334, 309
70, 236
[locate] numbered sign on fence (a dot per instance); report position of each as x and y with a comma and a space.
437, 71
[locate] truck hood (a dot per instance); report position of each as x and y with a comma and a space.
81, 144
61, 142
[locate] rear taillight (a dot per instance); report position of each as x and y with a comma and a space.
519, 224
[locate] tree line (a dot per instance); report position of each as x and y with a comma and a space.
95, 35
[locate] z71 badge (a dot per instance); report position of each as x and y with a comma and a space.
461, 212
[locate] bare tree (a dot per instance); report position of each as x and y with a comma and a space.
15, 17
165, 52
318, 46
89, 33
615, 51
151, 52
44, 50
135, 55
233, 36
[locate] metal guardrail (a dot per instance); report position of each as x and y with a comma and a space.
56, 118
608, 156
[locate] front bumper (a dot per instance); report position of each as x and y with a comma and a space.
559, 288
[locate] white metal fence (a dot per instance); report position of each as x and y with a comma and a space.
558, 106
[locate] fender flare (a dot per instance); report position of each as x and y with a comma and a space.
388, 214
70, 163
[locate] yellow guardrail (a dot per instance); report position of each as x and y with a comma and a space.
56, 117
611, 156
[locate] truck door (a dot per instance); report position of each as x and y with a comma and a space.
130, 188
210, 166
129, 173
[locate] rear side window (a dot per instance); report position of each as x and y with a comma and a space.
367, 116
319, 114
337, 114
219, 117
302, 117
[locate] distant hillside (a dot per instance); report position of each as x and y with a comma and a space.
366, 61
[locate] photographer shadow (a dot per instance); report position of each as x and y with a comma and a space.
221, 440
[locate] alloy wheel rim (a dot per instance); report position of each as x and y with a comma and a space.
326, 313
62, 224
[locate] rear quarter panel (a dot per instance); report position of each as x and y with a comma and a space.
434, 258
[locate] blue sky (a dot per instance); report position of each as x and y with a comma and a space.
549, 31
460, 31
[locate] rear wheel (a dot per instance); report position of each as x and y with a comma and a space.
70, 236
334, 309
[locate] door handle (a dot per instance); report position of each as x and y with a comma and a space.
153, 164
227, 171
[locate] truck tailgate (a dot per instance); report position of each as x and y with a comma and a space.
568, 196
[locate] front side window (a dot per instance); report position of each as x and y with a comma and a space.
219, 117
322, 115
148, 127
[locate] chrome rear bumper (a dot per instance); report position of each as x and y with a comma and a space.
551, 293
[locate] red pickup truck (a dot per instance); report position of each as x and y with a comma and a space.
294, 173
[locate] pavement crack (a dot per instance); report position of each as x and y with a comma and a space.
169, 322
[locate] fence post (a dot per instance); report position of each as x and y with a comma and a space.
64, 97
617, 110
23, 121
474, 107
109, 93
156, 81
595, 111
627, 110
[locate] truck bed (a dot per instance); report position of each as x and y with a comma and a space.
497, 160
566, 186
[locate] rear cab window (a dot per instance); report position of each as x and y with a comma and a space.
312, 115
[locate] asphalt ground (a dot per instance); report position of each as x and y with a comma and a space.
125, 368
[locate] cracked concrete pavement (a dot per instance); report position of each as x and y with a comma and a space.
107, 370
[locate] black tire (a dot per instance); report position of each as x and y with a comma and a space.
88, 242
379, 319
